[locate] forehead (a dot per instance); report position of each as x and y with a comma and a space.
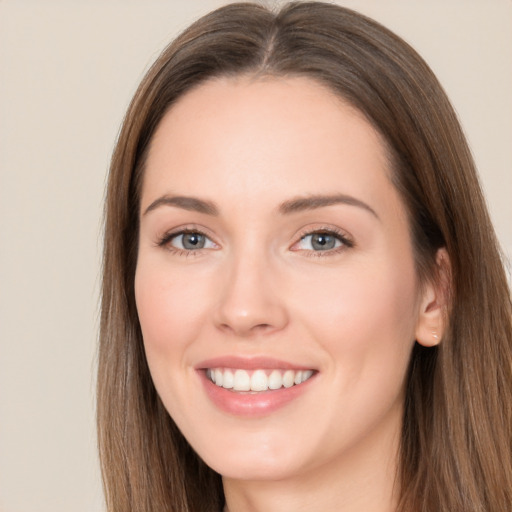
267, 135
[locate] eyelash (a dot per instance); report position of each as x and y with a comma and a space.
346, 242
167, 238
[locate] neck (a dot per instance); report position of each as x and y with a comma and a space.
357, 482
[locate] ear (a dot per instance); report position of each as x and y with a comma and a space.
434, 303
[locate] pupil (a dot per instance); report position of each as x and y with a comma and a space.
193, 241
322, 242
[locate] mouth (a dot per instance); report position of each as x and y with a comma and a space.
257, 380
254, 387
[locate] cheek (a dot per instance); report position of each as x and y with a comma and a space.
171, 314
363, 312
367, 333
170, 307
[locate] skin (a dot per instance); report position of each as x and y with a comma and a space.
259, 288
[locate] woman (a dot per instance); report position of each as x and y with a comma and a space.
303, 300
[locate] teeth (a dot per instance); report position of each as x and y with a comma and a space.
258, 380
306, 375
242, 381
288, 378
275, 381
228, 379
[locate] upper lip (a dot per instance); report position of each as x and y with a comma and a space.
250, 363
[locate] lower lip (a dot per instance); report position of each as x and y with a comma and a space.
252, 404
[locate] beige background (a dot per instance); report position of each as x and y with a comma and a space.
68, 70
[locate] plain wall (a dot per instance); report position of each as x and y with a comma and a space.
68, 70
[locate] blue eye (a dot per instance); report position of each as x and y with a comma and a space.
190, 241
321, 241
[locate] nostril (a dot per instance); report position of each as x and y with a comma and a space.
247, 329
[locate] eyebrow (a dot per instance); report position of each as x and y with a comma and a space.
291, 206
186, 203
319, 201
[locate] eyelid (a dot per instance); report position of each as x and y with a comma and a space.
346, 240
165, 239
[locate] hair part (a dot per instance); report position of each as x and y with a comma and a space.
456, 441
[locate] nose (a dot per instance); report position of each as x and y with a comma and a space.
250, 300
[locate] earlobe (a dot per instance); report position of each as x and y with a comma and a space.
433, 312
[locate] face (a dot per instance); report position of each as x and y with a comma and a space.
275, 281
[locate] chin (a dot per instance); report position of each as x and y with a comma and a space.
252, 456
242, 467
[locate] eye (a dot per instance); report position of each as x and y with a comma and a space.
188, 241
319, 242
322, 241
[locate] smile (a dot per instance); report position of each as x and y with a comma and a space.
257, 380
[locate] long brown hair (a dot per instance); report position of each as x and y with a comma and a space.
456, 442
